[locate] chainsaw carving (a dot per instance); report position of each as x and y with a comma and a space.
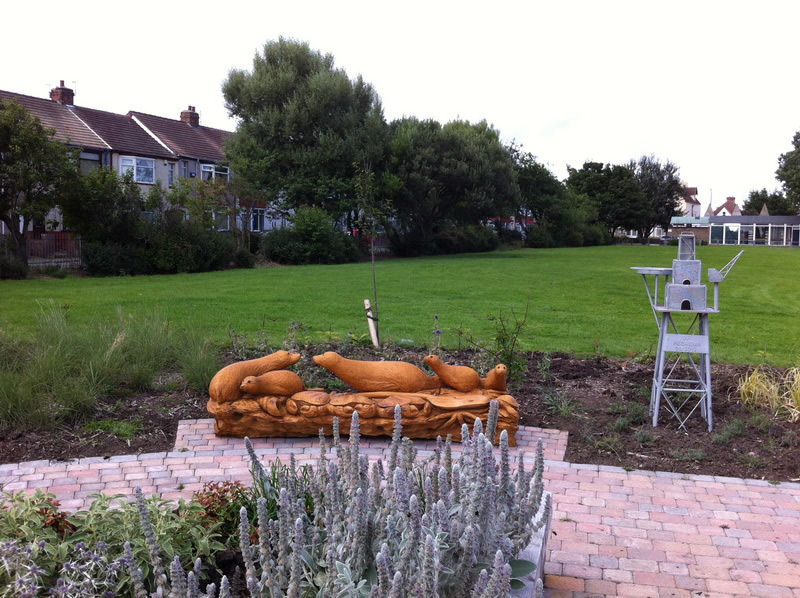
259, 398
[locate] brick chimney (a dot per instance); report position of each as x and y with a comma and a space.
190, 116
63, 95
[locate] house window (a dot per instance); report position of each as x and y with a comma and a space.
170, 173
210, 172
143, 169
185, 169
257, 220
89, 162
221, 221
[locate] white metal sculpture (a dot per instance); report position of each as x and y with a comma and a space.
682, 377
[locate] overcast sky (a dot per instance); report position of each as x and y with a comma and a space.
711, 86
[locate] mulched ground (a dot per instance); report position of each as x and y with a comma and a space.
601, 402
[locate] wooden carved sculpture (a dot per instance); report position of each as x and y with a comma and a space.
260, 398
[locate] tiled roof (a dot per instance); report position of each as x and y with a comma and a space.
730, 206
121, 133
68, 128
203, 143
689, 195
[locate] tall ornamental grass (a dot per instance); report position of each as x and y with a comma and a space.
59, 374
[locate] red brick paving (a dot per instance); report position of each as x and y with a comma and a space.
614, 532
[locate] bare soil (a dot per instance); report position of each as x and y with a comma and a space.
601, 402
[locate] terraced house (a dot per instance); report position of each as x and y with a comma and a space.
153, 148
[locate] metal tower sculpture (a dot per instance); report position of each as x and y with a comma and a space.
682, 377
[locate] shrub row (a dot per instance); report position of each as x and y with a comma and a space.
312, 239
166, 247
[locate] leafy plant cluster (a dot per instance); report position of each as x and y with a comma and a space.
11, 266
46, 551
59, 373
107, 211
312, 239
504, 347
447, 525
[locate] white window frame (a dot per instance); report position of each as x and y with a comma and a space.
133, 164
257, 218
210, 172
222, 221
170, 173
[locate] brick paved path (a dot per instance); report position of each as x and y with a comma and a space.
614, 533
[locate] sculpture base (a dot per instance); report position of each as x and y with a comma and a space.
424, 415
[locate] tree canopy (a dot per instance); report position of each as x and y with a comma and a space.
33, 166
662, 188
615, 191
457, 173
789, 173
776, 202
303, 124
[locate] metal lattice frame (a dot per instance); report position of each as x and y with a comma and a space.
682, 376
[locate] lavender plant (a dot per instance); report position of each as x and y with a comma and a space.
436, 527
442, 526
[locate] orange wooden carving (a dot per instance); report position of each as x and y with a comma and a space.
274, 403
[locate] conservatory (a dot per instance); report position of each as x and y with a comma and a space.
747, 230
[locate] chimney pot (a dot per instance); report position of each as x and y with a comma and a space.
63, 95
190, 117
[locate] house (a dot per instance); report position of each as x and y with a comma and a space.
729, 208
689, 204
155, 149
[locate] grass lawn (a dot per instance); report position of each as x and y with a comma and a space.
582, 300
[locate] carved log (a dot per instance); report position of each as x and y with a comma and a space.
305, 413
258, 398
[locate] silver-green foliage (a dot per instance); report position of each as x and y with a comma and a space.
444, 526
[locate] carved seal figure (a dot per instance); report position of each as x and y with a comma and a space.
373, 376
459, 377
224, 387
281, 383
495, 378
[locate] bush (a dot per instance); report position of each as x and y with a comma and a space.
166, 246
312, 239
594, 234
538, 237
470, 238
511, 238
111, 259
33, 531
12, 268
175, 246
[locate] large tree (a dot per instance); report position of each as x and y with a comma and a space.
540, 192
789, 172
455, 174
302, 125
776, 202
663, 189
33, 168
617, 195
